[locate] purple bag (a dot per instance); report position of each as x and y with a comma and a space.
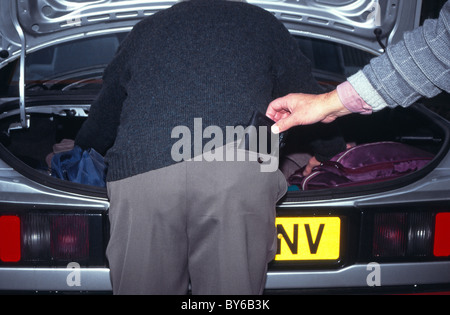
364, 164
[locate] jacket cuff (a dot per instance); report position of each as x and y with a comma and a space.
351, 99
366, 91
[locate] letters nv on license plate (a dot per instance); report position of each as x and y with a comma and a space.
308, 238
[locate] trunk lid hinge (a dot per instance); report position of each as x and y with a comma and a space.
24, 118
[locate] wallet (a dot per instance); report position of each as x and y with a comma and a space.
252, 136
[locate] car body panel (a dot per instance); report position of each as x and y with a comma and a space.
46, 22
49, 22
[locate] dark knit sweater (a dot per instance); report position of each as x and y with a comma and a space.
209, 59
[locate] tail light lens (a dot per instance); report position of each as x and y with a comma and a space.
389, 237
36, 236
442, 235
70, 238
9, 239
410, 234
52, 239
420, 234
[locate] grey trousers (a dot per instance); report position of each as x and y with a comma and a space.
210, 224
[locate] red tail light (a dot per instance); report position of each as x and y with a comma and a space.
46, 238
9, 239
442, 235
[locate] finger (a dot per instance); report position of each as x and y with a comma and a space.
277, 108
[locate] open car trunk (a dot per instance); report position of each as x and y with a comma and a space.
416, 127
52, 121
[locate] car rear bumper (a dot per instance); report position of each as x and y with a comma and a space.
362, 276
55, 279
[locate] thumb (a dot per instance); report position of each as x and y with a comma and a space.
284, 124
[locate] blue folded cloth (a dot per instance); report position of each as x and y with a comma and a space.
80, 166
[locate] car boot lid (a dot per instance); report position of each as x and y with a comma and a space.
363, 24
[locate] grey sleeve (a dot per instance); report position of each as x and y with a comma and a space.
418, 66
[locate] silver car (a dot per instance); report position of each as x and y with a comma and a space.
388, 237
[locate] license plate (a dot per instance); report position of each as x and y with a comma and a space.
308, 238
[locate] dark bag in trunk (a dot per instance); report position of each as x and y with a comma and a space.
364, 164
